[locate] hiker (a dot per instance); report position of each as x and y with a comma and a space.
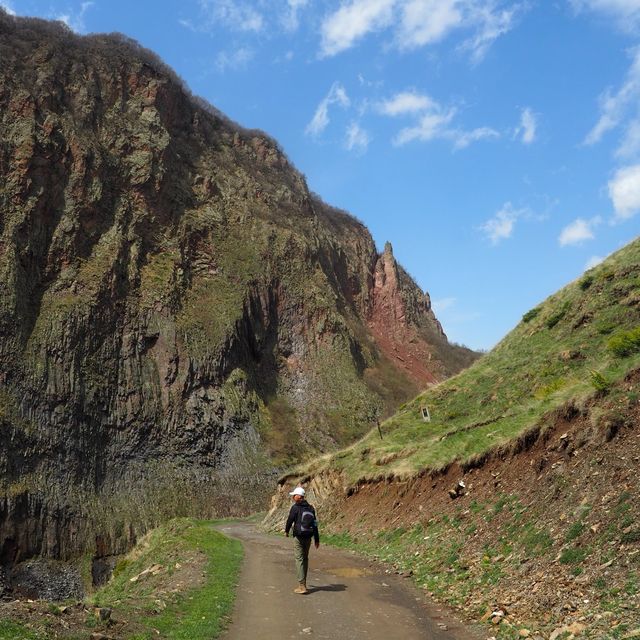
305, 526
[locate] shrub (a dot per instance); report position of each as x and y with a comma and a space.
554, 318
625, 343
599, 382
530, 315
586, 282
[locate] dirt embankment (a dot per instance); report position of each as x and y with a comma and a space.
544, 535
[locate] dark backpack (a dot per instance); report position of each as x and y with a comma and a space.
306, 521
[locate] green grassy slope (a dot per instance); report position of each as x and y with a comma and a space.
573, 345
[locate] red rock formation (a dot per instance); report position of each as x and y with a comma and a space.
403, 324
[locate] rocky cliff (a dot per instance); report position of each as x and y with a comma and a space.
178, 313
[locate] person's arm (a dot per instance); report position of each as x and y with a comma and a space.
291, 519
316, 533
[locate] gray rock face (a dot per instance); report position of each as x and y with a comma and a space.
46, 580
178, 314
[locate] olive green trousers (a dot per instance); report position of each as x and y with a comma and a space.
301, 548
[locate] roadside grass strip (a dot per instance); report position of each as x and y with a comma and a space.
191, 596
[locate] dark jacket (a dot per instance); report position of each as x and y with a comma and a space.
294, 518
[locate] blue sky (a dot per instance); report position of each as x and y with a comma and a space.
495, 144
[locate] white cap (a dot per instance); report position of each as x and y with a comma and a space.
298, 491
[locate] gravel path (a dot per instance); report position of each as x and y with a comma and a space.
350, 597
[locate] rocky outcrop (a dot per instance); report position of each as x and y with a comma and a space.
178, 314
405, 327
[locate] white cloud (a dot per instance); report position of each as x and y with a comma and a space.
614, 108
440, 306
626, 13
342, 29
406, 102
418, 23
233, 60
8, 8
337, 95
501, 226
291, 18
435, 125
434, 121
75, 21
357, 139
593, 261
239, 16
432, 125
624, 191
427, 21
630, 145
528, 125
578, 231
491, 23
462, 139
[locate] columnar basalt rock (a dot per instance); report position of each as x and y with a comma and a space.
177, 310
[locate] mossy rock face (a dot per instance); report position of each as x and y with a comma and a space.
173, 297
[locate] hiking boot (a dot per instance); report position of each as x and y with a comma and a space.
301, 588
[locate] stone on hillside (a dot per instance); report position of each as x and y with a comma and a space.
102, 613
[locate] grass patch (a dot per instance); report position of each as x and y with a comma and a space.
586, 282
573, 555
182, 545
599, 382
13, 631
574, 531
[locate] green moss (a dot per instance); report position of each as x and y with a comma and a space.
282, 435
157, 276
214, 302
10, 413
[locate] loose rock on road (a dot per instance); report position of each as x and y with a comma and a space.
349, 597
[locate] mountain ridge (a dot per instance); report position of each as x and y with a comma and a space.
177, 311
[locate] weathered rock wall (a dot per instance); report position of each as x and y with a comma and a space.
177, 311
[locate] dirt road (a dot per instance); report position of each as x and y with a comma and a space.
350, 598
